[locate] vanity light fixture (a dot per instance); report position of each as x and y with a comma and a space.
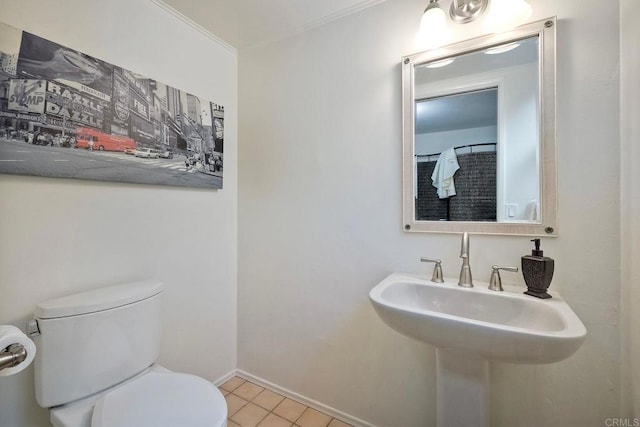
463, 11
502, 15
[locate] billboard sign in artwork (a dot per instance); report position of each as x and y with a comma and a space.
70, 106
120, 98
76, 106
26, 96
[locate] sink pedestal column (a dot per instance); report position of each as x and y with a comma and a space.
462, 390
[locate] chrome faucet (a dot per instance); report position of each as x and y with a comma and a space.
465, 271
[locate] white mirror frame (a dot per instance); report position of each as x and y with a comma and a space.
548, 226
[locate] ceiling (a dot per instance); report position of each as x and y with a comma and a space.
247, 23
458, 111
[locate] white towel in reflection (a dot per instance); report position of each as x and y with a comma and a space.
531, 211
442, 175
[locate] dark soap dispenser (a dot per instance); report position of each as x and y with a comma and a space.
538, 272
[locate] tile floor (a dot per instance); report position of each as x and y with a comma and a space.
250, 405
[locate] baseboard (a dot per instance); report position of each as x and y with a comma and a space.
223, 379
356, 422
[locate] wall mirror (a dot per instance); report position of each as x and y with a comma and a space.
479, 145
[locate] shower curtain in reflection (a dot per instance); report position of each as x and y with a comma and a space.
475, 187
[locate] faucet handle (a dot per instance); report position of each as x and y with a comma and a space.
495, 283
437, 269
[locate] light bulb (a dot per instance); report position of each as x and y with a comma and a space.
433, 31
505, 15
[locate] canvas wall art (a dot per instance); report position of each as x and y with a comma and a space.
65, 114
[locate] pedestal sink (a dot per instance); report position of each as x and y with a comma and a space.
469, 327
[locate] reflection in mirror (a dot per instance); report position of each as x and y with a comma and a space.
466, 119
462, 128
480, 127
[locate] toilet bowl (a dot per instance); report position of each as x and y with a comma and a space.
95, 365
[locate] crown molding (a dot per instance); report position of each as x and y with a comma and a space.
298, 30
190, 22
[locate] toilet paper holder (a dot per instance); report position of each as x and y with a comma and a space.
12, 356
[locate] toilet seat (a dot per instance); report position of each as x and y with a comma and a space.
80, 412
160, 399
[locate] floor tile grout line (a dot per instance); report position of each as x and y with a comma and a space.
271, 411
237, 410
258, 423
263, 418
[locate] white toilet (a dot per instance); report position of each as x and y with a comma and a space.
95, 364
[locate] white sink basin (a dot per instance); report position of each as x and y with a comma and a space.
507, 326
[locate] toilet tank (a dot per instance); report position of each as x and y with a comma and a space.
93, 340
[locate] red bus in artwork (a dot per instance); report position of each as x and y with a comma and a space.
86, 137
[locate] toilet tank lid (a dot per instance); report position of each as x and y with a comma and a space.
98, 299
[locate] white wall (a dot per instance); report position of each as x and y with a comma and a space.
62, 236
437, 142
630, 198
320, 222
